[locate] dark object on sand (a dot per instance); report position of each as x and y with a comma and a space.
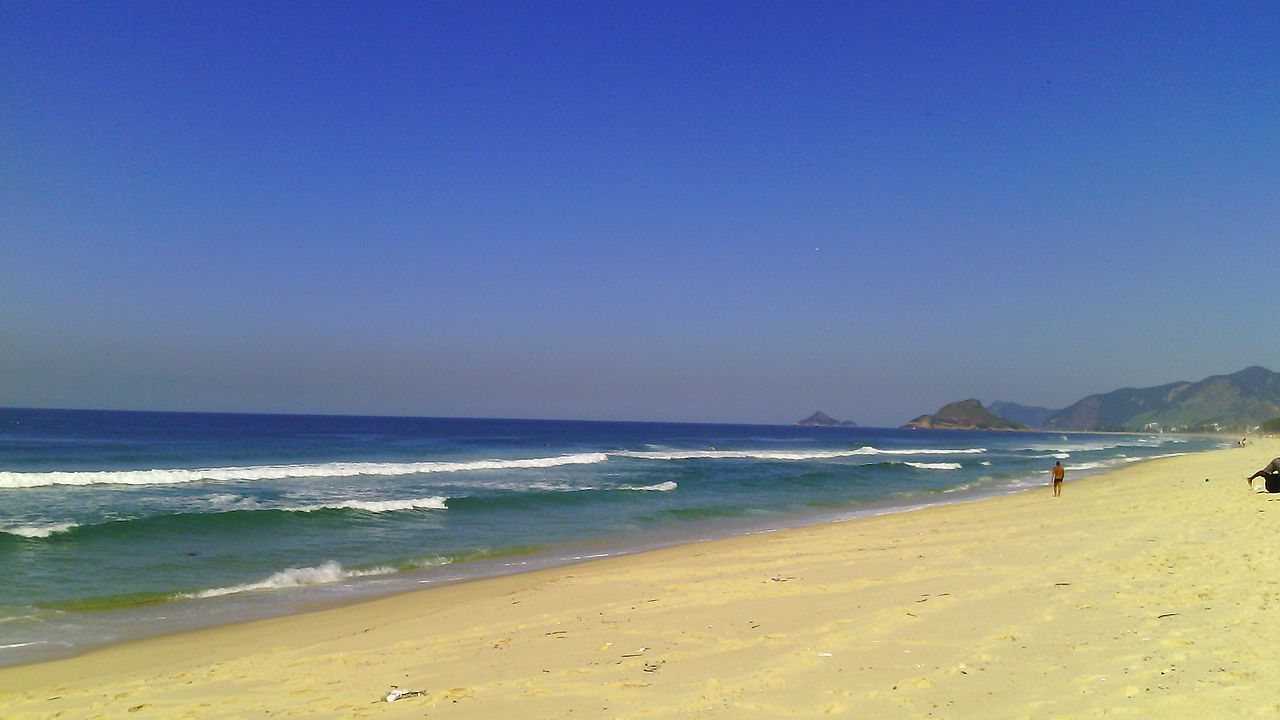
1270, 476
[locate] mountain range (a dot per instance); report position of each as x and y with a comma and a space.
1240, 400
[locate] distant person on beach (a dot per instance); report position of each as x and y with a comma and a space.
1059, 473
1270, 476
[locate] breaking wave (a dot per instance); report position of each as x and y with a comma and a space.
1154, 457
173, 476
667, 486
934, 466
376, 506
40, 531
789, 455
329, 572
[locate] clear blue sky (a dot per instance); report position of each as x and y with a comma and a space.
686, 211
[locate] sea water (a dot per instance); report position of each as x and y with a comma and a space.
116, 525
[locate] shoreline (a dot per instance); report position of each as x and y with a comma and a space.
812, 593
181, 619
133, 623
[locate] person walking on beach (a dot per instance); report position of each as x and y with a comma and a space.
1059, 473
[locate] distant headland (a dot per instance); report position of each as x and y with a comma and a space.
964, 415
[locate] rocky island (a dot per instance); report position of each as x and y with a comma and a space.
821, 419
964, 415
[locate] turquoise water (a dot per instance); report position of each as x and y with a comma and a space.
114, 525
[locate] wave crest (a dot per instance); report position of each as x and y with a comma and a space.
377, 506
40, 531
174, 476
934, 466
790, 455
667, 486
329, 572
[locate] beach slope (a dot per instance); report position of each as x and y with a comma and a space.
1145, 593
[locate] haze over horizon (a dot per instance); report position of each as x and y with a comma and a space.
720, 212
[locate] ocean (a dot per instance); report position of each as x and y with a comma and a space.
118, 525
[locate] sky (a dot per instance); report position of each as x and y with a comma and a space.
713, 212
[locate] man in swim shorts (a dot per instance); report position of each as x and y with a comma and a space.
1059, 473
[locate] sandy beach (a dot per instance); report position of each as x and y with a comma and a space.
1142, 593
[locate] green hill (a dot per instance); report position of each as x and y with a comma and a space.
964, 415
1236, 401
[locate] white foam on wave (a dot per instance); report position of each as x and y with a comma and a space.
1097, 445
540, 487
329, 572
1075, 447
10, 646
1090, 465
667, 486
1154, 457
934, 466
232, 501
39, 531
790, 455
377, 506
1095, 465
925, 451
173, 476
16, 618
